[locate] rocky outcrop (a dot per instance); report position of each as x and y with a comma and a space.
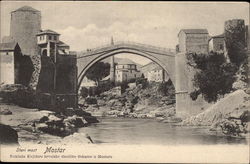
5, 111
8, 135
18, 94
135, 102
230, 115
62, 125
222, 109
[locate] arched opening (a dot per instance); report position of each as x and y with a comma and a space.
141, 91
119, 51
44, 52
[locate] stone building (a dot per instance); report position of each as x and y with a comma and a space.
126, 70
154, 73
8, 65
190, 41
193, 40
15, 68
58, 76
217, 43
24, 25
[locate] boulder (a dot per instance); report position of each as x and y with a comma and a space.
76, 121
5, 112
78, 138
8, 135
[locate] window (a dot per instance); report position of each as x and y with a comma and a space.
221, 47
7, 53
55, 38
50, 38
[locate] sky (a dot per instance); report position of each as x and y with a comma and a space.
88, 24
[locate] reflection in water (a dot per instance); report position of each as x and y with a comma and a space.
149, 131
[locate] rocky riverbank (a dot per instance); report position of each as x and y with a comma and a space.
19, 114
135, 102
43, 127
230, 115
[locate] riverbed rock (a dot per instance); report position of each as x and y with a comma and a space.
78, 138
8, 135
76, 121
5, 112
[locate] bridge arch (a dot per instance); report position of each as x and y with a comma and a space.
165, 59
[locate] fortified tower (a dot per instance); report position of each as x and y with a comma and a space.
25, 24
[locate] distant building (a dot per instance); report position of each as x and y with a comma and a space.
154, 73
193, 40
87, 83
126, 70
217, 43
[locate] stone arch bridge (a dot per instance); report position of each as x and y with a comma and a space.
174, 64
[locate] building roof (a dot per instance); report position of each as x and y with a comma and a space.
26, 8
124, 61
194, 31
8, 46
48, 32
152, 66
217, 36
62, 44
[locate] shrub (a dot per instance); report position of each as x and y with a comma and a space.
214, 76
142, 81
84, 92
91, 100
166, 89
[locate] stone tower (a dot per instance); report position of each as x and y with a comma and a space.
25, 24
112, 65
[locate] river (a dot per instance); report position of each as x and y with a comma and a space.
150, 131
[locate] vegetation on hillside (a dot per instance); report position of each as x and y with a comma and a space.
214, 76
98, 71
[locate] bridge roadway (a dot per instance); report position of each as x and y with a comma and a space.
130, 45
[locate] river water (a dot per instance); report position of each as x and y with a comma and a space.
150, 131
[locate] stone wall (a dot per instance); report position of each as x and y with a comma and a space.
7, 75
36, 60
63, 87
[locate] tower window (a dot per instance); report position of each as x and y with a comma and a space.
50, 38
55, 38
221, 47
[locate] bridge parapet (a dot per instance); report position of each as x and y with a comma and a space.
120, 44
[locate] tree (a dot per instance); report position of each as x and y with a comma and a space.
214, 75
236, 41
167, 89
98, 71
